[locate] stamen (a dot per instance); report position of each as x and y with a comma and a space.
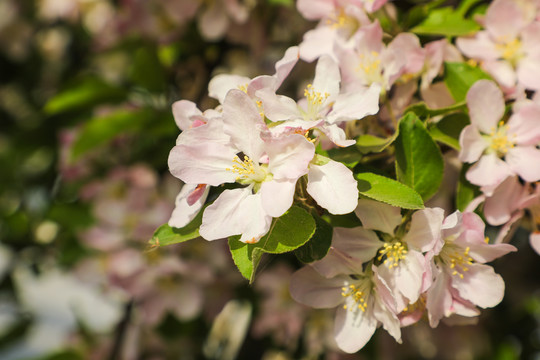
393, 252
457, 259
357, 296
500, 143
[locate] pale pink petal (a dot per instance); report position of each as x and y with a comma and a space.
309, 288
183, 110
409, 274
502, 71
352, 330
530, 39
243, 123
336, 135
499, 207
338, 262
355, 105
359, 243
525, 161
409, 46
203, 164
384, 307
315, 9
523, 125
425, 229
434, 60
277, 196
484, 253
278, 107
439, 299
534, 240
489, 171
220, 85
327, 77
472, 144
318, 42
286, 64
379, 216
235, 212
369, 38
486, 105
289, 156
481, 46
508, 229
528, 73
333, 187
184, 212
504, 19
480, 285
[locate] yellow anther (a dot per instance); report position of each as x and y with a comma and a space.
457, 259
243, 88
509, 50
500, 143
393, 252
357, 296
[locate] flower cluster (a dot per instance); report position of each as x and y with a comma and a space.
377, 93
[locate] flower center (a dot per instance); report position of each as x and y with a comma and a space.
316, 100
393, 253
499, 140
340, 20
357, 296
457, 259
248, 171
369, 67
509, 50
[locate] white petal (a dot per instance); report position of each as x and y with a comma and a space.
376, 215
333, 186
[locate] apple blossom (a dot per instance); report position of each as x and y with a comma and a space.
499, 149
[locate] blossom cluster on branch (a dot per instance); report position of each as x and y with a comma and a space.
373, 134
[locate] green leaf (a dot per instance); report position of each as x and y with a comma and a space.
446, 22
466, 191
84, 95
465, 6
167, 235
422, 111
281, 2
288, 232
373, 144
100, 130
349, 156
419, 12
459, 77
447, 130
147, 71
317, 247
419, 162
388, 191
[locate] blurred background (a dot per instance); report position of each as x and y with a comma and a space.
86, 88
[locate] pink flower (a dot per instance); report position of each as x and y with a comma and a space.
220, 85
461, 280
369, 61
239, 148
499, 149
508, 49
339, 20
363, 298
403, 266
323, 107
